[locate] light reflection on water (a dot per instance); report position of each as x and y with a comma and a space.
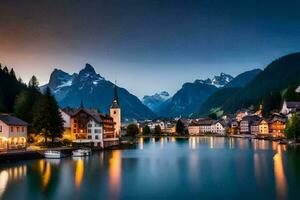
280, 179
160, 166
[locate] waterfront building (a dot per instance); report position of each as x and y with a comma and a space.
218, 127
245, 123
277, 123
84, 125
13, 132
194, 128
260, 127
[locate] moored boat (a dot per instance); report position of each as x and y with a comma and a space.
82, 152
53, 154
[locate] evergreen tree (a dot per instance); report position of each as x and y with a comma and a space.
132, 130
292, 130
5, 70
291, 94
271, 102
157, 130
179, 127
25, 104
33, 83
12, 73
146, 130
47, 118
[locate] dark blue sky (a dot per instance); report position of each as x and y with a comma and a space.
148, 46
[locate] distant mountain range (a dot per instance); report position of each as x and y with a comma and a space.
154, 101
276, 77
95, 91
187, 99
193, 95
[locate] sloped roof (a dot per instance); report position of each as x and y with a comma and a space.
293, 104
12, 121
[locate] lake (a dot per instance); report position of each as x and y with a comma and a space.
162, 168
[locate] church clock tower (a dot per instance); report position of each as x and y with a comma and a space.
115, 112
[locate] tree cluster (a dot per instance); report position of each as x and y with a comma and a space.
27, 102
292, 130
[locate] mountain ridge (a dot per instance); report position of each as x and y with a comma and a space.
95, 91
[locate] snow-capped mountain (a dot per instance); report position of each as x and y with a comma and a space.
95, 91
218, 81
186, 100
154, 101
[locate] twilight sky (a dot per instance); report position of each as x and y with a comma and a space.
147, 45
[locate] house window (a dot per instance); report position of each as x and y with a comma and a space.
89, 137
89, 131
96, 137
18, 129
97, 130
90, 125
74, 131
0, 128
23, 130
11, 129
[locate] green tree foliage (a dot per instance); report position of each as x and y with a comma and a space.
25, 104
47, 119
146, 130
291, 94
10, 87
292, 130
271, 102
33, 83
179, 127
157, 130
213, 116
132, 130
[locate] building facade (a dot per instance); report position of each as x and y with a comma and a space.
13, 132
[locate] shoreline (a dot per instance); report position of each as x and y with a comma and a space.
24, 155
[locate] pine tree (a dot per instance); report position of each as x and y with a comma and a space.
33, 83
47, 118
12, 73
157, 130
5, 70
179, 127
146, 130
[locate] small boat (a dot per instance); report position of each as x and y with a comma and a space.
82, 152
53, 154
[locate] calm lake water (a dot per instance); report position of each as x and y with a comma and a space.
162, 168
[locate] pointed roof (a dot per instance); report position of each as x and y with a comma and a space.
115, 102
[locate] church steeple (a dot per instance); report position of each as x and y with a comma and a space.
115, 102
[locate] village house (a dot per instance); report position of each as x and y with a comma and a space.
194, 128
234, 127
218, 127
260, 127
277, 123
245, 123
13, 132
84, 125
290, 107
241, 113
